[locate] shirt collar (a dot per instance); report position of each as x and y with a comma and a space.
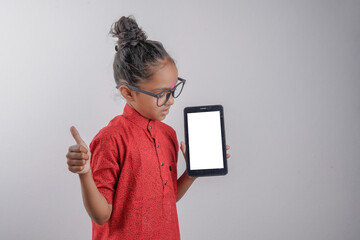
135, 117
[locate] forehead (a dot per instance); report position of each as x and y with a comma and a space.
163, 77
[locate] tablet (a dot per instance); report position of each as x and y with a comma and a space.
205, 141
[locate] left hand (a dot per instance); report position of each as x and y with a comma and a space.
183, 149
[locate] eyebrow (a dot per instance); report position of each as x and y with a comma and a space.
158, 89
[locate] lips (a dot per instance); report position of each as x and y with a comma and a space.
166, 111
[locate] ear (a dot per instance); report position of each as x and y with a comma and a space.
126, 93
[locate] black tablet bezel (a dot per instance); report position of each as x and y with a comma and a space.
205, 172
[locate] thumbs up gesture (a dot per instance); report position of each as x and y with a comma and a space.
78, 156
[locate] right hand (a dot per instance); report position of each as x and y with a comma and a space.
78, 156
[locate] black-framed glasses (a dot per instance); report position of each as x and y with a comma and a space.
163, 96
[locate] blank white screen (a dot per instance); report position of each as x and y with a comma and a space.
205, 143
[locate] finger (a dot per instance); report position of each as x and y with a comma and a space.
76, 162
76, 136
76, 169
227, 147
78, 148
77, 156
183, 148
227, 155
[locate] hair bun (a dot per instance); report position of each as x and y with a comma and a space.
127, 31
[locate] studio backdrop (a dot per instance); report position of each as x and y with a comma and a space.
286, 72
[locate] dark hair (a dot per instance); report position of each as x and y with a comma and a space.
136, 58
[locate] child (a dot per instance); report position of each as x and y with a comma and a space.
130, 186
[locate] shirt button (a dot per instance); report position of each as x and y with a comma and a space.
162, 164
170, 168
165, 182
150, 127
158, 145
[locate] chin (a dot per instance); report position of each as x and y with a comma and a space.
161, 118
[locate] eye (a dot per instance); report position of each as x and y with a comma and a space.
162, 94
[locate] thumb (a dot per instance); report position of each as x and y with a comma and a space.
183, 148
76, 136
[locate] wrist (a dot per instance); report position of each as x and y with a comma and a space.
85, 175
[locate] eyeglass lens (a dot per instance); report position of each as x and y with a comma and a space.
166, 95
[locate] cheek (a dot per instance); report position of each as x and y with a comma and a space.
149, 104
146, 100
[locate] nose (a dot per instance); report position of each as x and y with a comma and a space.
170, 101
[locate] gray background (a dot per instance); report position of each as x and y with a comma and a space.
286, 72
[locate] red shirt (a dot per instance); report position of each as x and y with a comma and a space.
133, 164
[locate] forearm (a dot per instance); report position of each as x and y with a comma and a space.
95, 203
183, 184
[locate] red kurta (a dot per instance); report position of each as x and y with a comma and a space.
133, 164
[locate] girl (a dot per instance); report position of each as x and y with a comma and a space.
130, 186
